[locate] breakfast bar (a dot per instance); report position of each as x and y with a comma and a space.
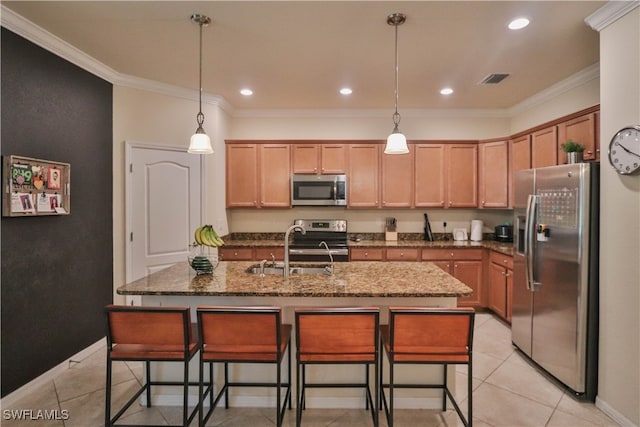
237, 283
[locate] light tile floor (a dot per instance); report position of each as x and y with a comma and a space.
508, 391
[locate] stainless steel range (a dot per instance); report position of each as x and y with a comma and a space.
309, 246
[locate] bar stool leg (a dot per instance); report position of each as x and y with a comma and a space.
390, 420
148, 373
226, 381
107, 409
444, 391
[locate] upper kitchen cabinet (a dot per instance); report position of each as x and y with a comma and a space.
319, 158
581, 130
544, 147
397, 179
363, 176
258, 175
446, 175
242, 175
462, 175
493, 174
519, 159
430, 173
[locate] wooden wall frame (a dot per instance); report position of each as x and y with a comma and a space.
35, 187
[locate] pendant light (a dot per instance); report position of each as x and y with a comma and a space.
200, 141
396, 142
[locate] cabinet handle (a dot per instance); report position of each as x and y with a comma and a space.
455, 265
483, 203
451, 254
597, 150
442, 202
366, 254
450, 203
505, 261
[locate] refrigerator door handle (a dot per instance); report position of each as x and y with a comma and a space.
529, 241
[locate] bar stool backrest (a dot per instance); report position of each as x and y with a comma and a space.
431, 331
337, 330
148, 325
241, 329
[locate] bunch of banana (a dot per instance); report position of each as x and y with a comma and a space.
206, 235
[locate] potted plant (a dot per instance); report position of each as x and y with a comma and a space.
574, 151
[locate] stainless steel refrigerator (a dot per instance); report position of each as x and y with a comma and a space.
555, 272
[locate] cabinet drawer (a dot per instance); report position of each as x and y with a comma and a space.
266, 252
501, 259
236, 254
440, 254
403, 254
366, 254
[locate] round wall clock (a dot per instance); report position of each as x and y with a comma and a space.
624, 150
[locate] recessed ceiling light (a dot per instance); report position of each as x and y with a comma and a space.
246, 92
446, 91
518, 23
346, 91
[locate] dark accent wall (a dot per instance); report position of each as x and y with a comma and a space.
57, 271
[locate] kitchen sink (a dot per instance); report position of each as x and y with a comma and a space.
294, 269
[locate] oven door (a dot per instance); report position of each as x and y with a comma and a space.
318, 190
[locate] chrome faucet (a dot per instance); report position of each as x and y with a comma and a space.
323, 243
285, 273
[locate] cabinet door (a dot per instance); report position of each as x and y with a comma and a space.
242, 175
333, 158
429, 182
397, 179
462, 176
581, 130
305, 158
363, 180
519, 159
544, 148
366, 254
275, 176
509, 275
596, 119
498, 289
469, 273
493, 177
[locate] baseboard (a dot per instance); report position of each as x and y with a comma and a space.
27, 389
614, 414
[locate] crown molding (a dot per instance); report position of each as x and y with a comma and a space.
40, 37
609, 13
369, 113
586, 75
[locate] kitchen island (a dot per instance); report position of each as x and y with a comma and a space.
380, 284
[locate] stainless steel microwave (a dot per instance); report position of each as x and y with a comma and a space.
318, 190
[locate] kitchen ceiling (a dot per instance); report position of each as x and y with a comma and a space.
297, 55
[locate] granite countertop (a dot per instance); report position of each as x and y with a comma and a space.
505, 248
350, 279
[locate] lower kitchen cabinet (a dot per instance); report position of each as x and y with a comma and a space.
403, 254
236, 254
269, 253
463, 264
366, 254
500, 284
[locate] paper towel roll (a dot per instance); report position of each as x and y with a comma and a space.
476, 230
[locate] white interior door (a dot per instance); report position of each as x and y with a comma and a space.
164, 199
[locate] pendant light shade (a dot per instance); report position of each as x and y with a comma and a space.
200, 142
396, 142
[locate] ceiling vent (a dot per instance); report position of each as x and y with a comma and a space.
495, 78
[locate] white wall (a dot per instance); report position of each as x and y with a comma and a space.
161, 120
619, 376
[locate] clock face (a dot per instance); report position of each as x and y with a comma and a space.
624, 150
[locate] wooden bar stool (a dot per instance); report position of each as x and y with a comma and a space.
428, 336
337, 336
243, 335
149, 334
